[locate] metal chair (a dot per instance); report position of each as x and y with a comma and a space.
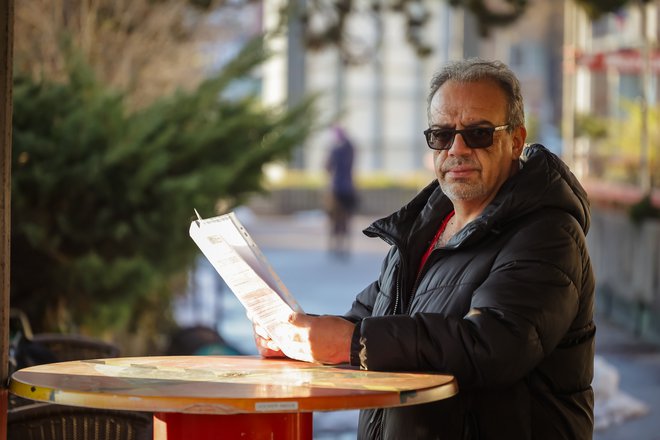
70, 347
27, 349
43, 421
52, 347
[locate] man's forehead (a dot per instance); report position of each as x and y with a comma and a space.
477, 88
483, 97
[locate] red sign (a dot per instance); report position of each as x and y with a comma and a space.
627, 61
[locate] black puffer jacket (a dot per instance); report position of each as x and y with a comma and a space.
525, 363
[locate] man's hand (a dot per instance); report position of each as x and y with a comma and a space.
324, 339
266, 346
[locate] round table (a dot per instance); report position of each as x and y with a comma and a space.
205, 397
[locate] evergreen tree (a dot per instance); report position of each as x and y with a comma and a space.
103, 198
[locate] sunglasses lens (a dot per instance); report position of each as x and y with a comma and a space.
478, 137
440, 139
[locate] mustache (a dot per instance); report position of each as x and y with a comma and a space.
454, 162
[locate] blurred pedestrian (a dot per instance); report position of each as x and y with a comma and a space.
342, 196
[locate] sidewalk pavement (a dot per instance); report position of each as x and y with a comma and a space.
296, 247
637, 366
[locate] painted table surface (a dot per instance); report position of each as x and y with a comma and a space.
224, 385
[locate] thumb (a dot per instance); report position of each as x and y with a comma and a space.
298, 319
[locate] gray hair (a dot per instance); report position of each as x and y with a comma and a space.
476, 69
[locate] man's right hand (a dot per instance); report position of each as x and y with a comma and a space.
266, 346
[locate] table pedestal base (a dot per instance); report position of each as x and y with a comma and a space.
274, 426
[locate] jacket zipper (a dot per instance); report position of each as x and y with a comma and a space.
398, 291
397, 300
396, 306
415, 284
381, 412
422, 270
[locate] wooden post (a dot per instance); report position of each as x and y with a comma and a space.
6, 52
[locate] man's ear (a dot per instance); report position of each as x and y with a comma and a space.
519, 135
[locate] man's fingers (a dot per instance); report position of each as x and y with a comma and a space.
300, 319
298, 351
259, 330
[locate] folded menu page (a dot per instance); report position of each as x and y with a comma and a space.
239, 261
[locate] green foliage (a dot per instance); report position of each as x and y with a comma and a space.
598, 8
625, 142
102, 199
617, 142
591, 126
627, 131
644, 209
488, 17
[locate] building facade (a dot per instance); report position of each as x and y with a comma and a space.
381, 102
611, 100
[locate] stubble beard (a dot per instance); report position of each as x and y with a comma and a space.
460, 189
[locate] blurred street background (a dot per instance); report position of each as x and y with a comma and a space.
125, 116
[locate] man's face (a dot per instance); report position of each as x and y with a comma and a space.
466, 175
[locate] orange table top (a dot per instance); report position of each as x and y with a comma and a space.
224, 385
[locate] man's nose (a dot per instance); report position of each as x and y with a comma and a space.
459, 147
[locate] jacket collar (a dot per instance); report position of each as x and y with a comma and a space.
543, 182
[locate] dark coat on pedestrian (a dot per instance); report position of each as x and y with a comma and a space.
524, 363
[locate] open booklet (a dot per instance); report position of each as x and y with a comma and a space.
239, 261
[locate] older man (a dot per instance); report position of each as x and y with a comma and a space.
488, 278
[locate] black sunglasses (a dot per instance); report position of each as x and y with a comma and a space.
474, 137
